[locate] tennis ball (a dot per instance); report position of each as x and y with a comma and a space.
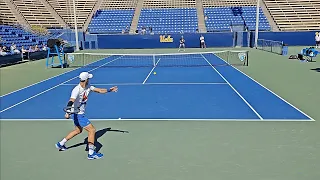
154, 73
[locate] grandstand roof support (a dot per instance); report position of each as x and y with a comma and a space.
17, 14
95, 8
53, 12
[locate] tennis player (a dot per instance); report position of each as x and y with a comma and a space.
78, 99
182, 43
317, 38
202, 42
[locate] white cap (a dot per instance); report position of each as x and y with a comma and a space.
85, 75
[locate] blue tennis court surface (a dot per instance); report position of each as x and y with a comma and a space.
174, 93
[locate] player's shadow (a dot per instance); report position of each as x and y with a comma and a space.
97, 144
316, 69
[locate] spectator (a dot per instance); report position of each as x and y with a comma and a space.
205, 17
36, 48
143, 30
31, 49
5, 49
23, 50
2, 52
150, 29
44, 47
13, 49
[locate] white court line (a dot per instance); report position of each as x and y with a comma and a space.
270, 91
233, 89
133, 84
146, 119
55, 86
151, 71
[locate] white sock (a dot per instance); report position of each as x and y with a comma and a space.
63, 141
91, 150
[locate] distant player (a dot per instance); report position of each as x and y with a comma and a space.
182, 44
202, 42
317, 38
78, 99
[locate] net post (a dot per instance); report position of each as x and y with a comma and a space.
84, 59
154, 60
228, 55
247, 58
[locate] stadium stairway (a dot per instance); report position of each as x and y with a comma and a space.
136, 16
201, 23
266, 12
94, 10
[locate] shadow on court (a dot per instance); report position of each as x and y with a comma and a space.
97, 144
316, 69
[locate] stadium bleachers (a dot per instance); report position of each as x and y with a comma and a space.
295, 15
6, 14
110, 21
19, 37
220, 18
65, 10
36, 13
169, 16
113, 16
172, 20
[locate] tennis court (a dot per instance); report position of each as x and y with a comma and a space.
234, 143
190, 86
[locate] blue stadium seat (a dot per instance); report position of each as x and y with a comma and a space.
220, 18
111, 21
171, 20
20, 37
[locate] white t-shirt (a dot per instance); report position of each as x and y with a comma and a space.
202, 39
80, 95
317, 38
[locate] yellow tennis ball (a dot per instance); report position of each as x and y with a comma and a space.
154, 73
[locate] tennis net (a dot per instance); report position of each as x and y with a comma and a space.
235, 58
270, 46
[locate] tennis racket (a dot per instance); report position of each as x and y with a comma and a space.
71, 110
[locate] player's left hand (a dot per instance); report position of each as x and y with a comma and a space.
67, 115
114, 89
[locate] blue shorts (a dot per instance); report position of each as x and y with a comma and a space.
81, 120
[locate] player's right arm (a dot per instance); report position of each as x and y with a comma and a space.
74, 94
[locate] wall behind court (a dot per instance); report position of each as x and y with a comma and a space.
153, 41
289, 38
192, 40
